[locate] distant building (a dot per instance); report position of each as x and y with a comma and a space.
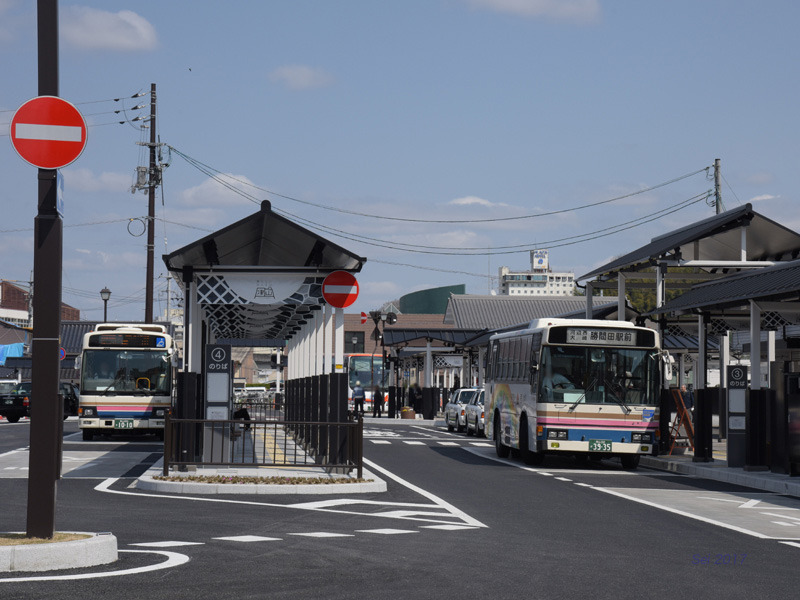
540, 280
14, 306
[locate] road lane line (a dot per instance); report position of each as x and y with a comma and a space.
174, 559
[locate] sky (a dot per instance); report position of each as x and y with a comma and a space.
440, 139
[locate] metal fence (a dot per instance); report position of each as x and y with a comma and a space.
263, 442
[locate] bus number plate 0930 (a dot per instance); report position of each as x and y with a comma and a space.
599, 446
123, 423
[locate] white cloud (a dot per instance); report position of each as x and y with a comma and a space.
763, 197
89, 28
84, 180
211, 193
563, 10
301, 77
475, 200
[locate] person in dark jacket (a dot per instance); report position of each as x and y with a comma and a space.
377, 402
415, 398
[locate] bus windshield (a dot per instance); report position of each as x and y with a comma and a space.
132, 371
368, 370
577, 375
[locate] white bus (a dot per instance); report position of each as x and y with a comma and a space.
126, 379
585, 387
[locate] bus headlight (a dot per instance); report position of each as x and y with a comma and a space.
159, 413
642, 438
557, 434
88, 411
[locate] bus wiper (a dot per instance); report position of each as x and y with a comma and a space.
583, 395
613, 390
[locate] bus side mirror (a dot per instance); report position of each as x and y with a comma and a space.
534, 366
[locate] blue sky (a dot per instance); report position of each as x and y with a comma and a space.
450, 110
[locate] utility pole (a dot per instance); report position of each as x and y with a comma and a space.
151, 210
717, 187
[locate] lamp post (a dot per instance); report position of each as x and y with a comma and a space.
105, 294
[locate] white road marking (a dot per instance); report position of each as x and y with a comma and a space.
247, 538
683, 513
380, 441
448, 443
323, 534
173, 560
435, 499
174, 544
447, 527
413, 443
386, 531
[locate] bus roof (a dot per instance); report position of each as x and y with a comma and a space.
137, 327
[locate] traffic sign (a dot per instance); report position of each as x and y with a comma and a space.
48, 132
62, 354
364, 317
340, 289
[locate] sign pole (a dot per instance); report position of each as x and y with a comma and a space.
46, 412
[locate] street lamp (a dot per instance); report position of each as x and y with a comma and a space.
105, 294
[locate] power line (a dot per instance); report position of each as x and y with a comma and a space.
513, 249
216, 174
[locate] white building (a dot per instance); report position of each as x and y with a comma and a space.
540, 280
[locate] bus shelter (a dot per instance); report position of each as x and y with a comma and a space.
258, 282
737, 241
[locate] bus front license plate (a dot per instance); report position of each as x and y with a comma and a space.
599, 446
123, 423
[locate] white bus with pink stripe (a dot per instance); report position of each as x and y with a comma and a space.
583, 387
126, 379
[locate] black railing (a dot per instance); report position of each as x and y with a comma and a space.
261, 442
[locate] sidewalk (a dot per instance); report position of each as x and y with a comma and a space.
719, 471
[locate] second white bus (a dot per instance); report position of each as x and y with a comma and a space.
585, 387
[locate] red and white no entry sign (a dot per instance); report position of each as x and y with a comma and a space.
364, 317
48, 132
340, 289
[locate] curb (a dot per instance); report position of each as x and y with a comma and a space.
100, 549
769, 482
146, 482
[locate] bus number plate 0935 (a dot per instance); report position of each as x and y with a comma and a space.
123, 423
599, 446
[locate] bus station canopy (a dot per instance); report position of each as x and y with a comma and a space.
725, 237
259, 278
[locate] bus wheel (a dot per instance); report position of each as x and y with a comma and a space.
88, 435
528, 457
13, 419
501, 449
629, 461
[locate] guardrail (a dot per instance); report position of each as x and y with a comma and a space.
262, 442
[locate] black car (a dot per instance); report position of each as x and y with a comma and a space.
15, 404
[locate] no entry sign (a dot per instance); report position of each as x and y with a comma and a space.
48, 132
340, 289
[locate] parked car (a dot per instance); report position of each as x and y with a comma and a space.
474, 415
454, 415
15, 403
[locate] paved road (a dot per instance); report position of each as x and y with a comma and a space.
455, 523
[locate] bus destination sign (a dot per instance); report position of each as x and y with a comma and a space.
127, 340
587, 335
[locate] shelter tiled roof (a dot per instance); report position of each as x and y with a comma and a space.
494, 312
